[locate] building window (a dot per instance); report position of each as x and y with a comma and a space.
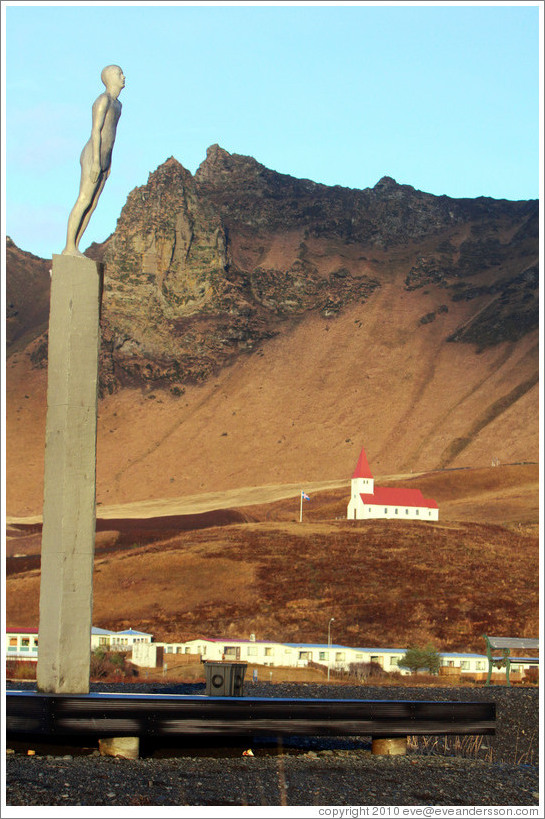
396, 511
417, 511
339, 656
406, 511
169, 649
385, 510
464, 665
394, 661
35, 642
305, 655
25, 642
480, 665
269, 651
359, 656
13, 641
323, 655
103, 641
287, 651
252, 651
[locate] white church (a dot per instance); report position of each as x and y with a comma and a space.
370, 501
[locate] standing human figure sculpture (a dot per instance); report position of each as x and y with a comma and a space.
96, 157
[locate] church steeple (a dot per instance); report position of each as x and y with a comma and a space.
362, 469
362, 478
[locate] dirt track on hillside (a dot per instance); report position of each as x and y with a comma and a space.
197, 504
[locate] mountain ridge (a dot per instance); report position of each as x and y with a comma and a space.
316, 317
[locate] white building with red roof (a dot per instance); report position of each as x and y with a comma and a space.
370, 501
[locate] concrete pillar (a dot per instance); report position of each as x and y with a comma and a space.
69, 511
125, 747
389, 746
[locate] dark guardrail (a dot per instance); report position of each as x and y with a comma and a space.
158, 715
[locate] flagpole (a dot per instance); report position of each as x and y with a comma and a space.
301, 509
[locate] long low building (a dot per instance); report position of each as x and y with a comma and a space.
22, 644
300, 655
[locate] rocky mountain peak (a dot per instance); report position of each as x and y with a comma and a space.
222, 169
217, 162
385, 182
169, 172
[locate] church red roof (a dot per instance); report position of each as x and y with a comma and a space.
392, 496
362, 469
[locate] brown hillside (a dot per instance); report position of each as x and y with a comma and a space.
386, 583
299, 411
27, 296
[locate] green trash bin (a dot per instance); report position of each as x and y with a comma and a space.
224, 679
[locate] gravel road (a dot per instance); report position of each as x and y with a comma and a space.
305, 771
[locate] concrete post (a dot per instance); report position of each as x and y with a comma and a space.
389, 746
124, 747
69, 511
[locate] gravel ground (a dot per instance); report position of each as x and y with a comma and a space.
304, 771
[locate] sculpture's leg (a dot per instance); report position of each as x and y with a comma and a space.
68, 536
82, 210
90, 210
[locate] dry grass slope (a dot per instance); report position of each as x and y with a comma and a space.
385, 582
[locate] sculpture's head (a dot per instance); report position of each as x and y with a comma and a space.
113, 78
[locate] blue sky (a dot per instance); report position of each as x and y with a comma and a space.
444, 98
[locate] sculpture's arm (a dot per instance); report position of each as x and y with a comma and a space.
100, 109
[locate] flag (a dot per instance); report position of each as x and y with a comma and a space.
304, 496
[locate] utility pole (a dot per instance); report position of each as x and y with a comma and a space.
329, 646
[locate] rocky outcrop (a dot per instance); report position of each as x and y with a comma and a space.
180, 299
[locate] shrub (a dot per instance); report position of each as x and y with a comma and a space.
105, 663
20, 670
366, 671
416, 658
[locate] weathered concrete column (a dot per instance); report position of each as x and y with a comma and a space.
69, 511
125, 747
389, 746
